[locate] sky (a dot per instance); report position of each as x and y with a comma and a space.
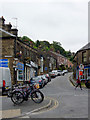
64, 21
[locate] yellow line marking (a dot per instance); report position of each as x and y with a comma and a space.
56, 104
3, 96
39, 108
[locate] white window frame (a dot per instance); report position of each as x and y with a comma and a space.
18, 75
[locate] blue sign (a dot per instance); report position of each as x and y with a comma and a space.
4, 62
20, 66
46, 68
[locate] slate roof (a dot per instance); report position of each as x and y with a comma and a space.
57, 54
87, 46
6, 32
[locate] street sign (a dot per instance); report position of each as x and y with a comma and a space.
4, 62
80, 72
81, 66
45, 68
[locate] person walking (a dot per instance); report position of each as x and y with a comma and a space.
78, 84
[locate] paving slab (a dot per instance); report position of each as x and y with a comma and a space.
16, 110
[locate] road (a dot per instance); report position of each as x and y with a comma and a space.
71, 103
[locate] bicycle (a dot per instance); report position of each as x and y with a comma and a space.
22, 93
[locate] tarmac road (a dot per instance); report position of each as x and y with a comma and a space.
67, 102
71, 103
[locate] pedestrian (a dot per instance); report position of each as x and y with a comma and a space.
78, 84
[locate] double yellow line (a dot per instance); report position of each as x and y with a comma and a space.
56, 104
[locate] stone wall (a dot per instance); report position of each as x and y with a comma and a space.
7, 47
8, 53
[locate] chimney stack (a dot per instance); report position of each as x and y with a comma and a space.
2, 22
8, 27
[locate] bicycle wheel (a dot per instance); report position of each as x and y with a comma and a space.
37, 96
17, 97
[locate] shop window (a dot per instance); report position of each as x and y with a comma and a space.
20, 75
84, 57
27, 52
28, 74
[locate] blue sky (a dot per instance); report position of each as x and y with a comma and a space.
65, 21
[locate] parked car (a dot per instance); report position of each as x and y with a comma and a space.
64, 71
52, 74
38, 80
48, 77
87, 83
59, 72
55, 71
5, 79
45, 79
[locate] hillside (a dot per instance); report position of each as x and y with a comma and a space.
46, 46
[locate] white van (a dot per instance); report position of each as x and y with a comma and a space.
5, 78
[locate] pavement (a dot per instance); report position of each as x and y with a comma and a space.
74, 82
27, 107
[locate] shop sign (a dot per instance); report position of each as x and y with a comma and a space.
28, 65
45, 68
4, 62
20, 66
33, 64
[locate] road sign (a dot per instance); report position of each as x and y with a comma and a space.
80, 72
81, 66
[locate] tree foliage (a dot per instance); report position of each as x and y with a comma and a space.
46, 46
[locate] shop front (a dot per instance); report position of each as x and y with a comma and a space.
85, 72
27, 72
30, 70
20, 71
34, 69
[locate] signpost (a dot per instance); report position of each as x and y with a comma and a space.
81, 67
80, 72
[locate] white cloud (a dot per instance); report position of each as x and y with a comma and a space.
64, 21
